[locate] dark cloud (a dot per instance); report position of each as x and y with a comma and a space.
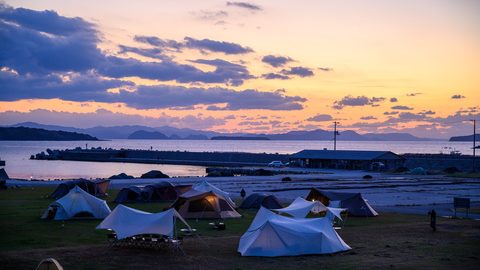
87, 87
208, 15
216, 46
166, 70
49, 56
430, 127
429, 112
356, 101
325, 69
274, 76
298, 71
276, 61
47, 21
108, 118
147, 52
92, 88
408, 116
74, 49
458, 96
393, 99
56, 44
245, 5
402, 108
237, 72
253, 99
158, 42
192, 43
320, 118
390, 113
253, 123
370, 117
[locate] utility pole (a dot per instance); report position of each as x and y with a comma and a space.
474, 143
335, 133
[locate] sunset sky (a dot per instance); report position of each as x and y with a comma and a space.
233, 66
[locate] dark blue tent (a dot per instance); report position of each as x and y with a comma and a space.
161, 191
255, 200
355, 204
63, 188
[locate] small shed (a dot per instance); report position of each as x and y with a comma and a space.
347, 159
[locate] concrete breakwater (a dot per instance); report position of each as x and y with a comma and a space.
231, 159
437, 162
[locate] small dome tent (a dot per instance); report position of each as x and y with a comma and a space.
77, 203
93, 187
355, 204
49, 264
197, 204
257, 200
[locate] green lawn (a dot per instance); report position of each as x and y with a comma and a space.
387, 241
20, 212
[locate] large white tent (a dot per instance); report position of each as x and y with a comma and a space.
272, 235
77, 203
126, 222
300, 208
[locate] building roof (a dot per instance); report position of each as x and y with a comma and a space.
346, 155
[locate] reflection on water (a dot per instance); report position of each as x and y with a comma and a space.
20, 166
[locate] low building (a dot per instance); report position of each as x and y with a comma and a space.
348, 159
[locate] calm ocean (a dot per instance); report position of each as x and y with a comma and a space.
17, 154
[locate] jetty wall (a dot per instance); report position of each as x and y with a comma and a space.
440, 162
436, 162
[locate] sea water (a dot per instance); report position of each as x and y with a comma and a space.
18, 164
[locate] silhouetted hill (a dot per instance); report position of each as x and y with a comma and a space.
123, 132
467, 138
240, 138
37, 134
393, 137
303, 135
147, 135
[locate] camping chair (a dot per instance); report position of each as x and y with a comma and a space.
112, 239
339, 223
218, 225
188, 231
176, 245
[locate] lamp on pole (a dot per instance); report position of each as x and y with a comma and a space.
474, 143
335, 133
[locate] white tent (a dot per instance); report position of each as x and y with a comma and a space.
300, 208
126, 222
77, 203
272, 235
205, 186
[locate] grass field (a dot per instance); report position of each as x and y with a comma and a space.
387, 241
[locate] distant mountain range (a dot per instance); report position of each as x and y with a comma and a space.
467, 138
166, 132
240, 138
37, 134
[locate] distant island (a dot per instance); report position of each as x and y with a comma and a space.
37, 134
240, 138
147, 135
467, 138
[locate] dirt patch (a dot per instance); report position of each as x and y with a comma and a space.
376, 244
